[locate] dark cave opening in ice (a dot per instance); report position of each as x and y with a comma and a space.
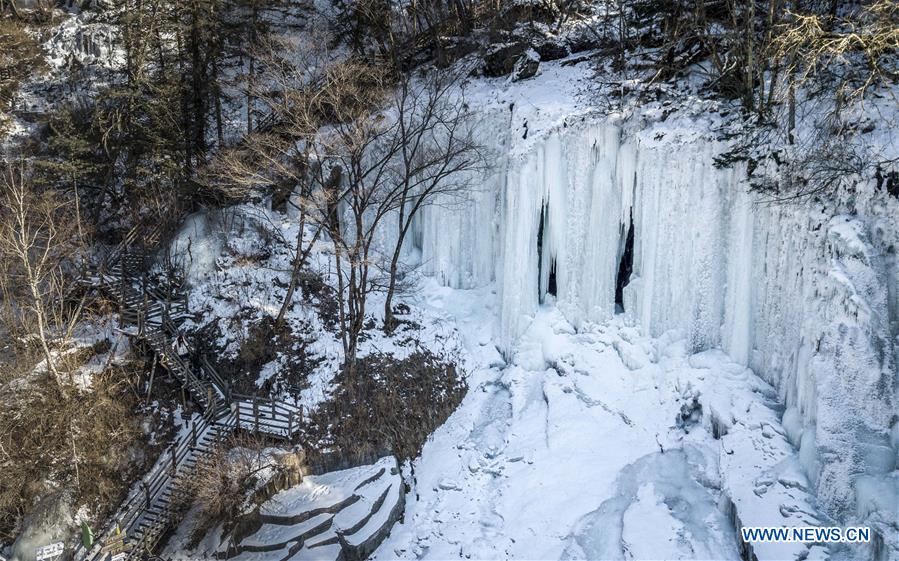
551, 285
625, 267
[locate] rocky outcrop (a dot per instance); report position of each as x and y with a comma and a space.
527, 66
502, 60
342, 515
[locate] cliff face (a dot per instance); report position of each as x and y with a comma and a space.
804, 293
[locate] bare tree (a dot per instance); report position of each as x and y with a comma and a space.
370, 165
436, 159
333, 151
270, 160
39, 238
289, 79
810, 43
350, 167
356, 144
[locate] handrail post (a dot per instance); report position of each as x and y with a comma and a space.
122, 285
256, 414
193, 434
145, 307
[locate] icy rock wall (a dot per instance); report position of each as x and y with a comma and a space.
455, 238
805, 294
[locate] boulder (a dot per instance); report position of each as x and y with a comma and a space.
551, 50
501, 60
526, 66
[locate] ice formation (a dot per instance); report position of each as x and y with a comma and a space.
802, 293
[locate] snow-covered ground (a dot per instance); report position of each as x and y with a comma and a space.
336, 515
586, 434
596, 443
578, 419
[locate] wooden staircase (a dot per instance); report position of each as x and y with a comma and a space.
152, 506
154, 314
204, 391
161, 508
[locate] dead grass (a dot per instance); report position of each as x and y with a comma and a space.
262, 344
314, 287
384, 406
54, 437
226, 479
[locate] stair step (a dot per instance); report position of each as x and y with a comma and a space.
155, 511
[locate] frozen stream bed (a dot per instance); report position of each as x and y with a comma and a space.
597, 443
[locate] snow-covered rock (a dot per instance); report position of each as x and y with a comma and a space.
337, 515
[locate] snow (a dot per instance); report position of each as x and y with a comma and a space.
197, 245
327, 516
657, 494
379, 519
550, 453
274, 534
79, 39
320, 553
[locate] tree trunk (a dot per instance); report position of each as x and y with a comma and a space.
298, 261
791, 111
198, 87
185, 110
38, 304
749, 74
218, 104
252, 69
389, 320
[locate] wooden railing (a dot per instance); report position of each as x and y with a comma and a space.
164, 476
149, 235
221, 384
269, 416
168, 512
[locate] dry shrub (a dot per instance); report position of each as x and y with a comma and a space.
70, 362
54, 437
385, 405
812, 43
234, 477
314, 287
263, 343
258, 347
226, 478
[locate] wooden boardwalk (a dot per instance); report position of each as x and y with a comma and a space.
154, 314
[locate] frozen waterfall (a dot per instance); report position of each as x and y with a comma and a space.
799, 292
